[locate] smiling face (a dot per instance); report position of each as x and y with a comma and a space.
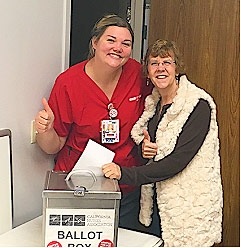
162, 72
114, 46
162, 63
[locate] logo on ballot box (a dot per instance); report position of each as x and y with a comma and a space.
66, 220
79, 227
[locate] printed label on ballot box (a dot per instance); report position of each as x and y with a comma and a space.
79, 227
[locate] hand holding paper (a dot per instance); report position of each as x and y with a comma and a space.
94, 157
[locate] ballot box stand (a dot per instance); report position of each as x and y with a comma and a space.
80, 210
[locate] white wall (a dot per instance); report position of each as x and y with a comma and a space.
137, 25
32, 54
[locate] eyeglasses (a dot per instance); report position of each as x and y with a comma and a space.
165, 63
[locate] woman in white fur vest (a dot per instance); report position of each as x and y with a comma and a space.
178, 134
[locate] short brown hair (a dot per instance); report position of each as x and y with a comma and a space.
164, 48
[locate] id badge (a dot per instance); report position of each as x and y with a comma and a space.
110, 131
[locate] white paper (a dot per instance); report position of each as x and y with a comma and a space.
94, 157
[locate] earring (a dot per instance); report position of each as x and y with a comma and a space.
148, 81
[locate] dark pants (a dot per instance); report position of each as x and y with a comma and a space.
129, 214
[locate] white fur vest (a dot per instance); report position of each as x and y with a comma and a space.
190, 204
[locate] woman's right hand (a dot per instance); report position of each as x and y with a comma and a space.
149, 149
112, 171
44, 120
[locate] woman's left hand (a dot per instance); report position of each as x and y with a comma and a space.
149, 149
112, 171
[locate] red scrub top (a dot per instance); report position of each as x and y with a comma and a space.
79, 105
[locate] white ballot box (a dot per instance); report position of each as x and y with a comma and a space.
80, 210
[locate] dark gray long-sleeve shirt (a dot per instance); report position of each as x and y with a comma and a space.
188, 143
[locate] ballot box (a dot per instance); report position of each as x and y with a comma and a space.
80, 210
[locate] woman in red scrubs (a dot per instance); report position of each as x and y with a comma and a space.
106, 89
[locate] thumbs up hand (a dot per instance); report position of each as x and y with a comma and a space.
149, 149
44, 119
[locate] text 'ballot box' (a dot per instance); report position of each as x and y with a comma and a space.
80, 210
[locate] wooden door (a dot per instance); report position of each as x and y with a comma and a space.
207, 32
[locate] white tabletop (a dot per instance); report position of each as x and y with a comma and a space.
30, 235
